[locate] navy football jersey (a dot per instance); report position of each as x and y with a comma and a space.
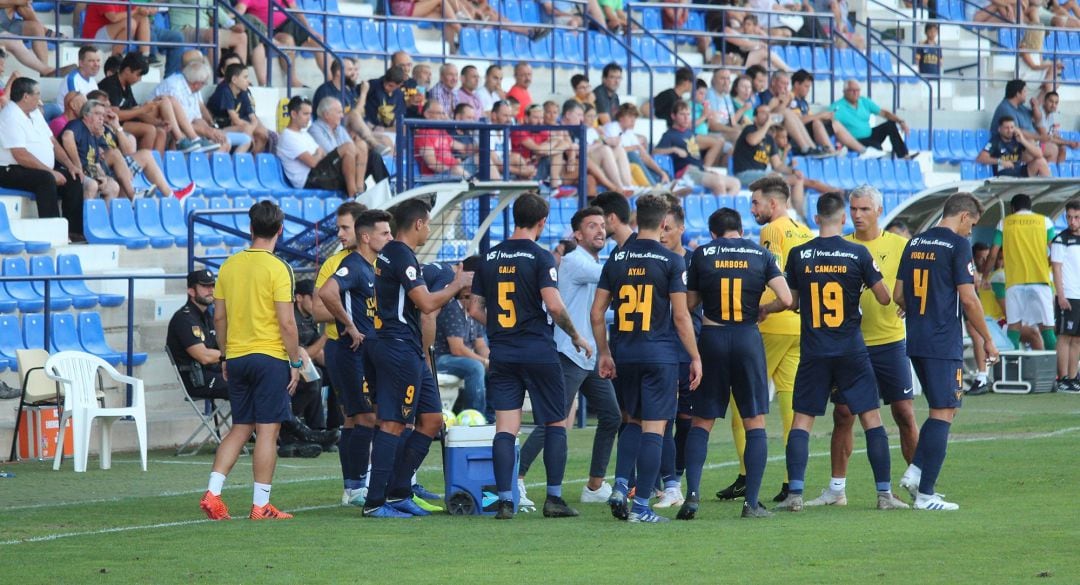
438, 275
934, 263
829, 275
641, 277
510, 278
356, 283
730, 274
695, 315
396, 273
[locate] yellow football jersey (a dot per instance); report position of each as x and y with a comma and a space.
1025, 237
779, 236
880, 324
250, 283
325, 272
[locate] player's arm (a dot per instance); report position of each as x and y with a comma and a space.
429, 302
318, 307
221, 326
898, 294
478, 309
427, 333
969, 299
693, 299
286, 319
330, 295
881, 292
782, 301
555, 307
601, 302
1059, 286
685, 326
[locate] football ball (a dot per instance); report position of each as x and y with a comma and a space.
448, 418
471, 418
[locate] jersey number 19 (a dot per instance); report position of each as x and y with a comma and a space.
827, 304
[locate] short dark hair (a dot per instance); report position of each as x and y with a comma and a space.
612, 202
395, 74
529, 210
335, 67
137, 62
700, 84
581, 214
98, 95
830, 206
492, 68
235, 70
755, 70
724, 220
1004, 119
1020, 201
1073, 205
897, 224
626, 110
612, 68
83, 50
571, 105
367, 218
567, 246
460, 108
112, 64
266, 219
22, 87
296, 103
684, 75
961, 202
1014, 87
801, 75
675, 210
678, 107
305, 287
929, 26
353, 208
466, 68
772, 186
980, 247
578, 78
651, 210
1051, 93
407, 213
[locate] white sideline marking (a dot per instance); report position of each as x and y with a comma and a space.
51, 537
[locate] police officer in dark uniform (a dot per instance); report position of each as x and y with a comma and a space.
192, 341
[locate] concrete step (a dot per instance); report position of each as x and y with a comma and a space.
53, 230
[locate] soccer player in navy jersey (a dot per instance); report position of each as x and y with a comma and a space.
937, 278
519, 279
727, 277
645, 283
826, 276
405, 390
349, 296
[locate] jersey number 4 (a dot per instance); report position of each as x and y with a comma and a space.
635, 298
920, 281
827, 304
508, 313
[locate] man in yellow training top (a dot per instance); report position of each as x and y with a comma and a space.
780, 331
253, 315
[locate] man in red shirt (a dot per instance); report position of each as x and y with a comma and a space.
110, 21
434, 148
540, 147
520, 91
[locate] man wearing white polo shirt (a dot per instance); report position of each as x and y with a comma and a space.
1065, 262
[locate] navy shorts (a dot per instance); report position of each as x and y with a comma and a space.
942, 381
732, 363
507, 382
848, 378
685, 393
404, 386
647, 391
258, 389
345, 368
892, 370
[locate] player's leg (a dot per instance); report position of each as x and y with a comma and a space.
784, 379
670, 476
750, 390
892, 371
941, 381
658, 406
1043, 305
507, 390
813, 383
395, 398
737, 489
707, 403
600, 395
857, 384
627, 392
547, 394
981, 383
243, 408
428, 412
1014, 299
840, 447
267, 377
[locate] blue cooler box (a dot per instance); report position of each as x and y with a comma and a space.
469, 472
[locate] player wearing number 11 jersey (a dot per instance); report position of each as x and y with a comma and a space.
827, 276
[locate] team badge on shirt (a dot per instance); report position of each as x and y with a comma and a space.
343, 272
197, 332
554, 274
410, 273
971, 268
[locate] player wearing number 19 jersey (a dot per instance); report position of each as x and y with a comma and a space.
827, 276
727, 276
936, 278
515, 289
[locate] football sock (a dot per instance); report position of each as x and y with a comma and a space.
682, 427
343, 455
260, 494
1014, 337
1049, 339
697, 449
530, 450
626, 452
667, 457
416, 449
877, 451
787, 415
555, 458
360, 450
757, 452
502, 456
738, 434
982, 376
401, 446
935, 433
648, 465
797, 453
217, 481
384, 449
838, 484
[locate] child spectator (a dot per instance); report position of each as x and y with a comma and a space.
928, 54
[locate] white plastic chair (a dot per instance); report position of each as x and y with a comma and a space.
76, 372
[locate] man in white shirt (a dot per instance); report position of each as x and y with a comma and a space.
306, 165
185, 87
83, 79
1065, 263
29, 153
492, 90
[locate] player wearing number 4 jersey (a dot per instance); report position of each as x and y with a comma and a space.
645, 283
827, 276
936, 278
514, 293
727, 276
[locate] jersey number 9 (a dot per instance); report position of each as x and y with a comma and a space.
827, 304
635, 299
508, 314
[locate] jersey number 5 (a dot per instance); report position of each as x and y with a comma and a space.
827, 304
508, 315
921, 283
731, 299
635, 299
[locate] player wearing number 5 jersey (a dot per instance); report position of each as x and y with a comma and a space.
936, 278
727, 276
514, 292
645, 283
827, 276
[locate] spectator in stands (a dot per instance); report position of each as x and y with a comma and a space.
436, 151
700, 113
779, 99
582, 90
185, 90
721, 106
27, 57
330, 134
308, 166
515, 108
433, 10
854, 111
996, 11
928, 54
337, 86
679, 142
614, 15
822, 125
1015, 105
385, 104
623, 128
84, 79
416, 90
759, 80
742, 95
540, 148
756, 155
1032, 67
117, 22
73, 103
19, 19
1012, 154
198, 26
1049, 127
32, 160
782, 26
467, 94
492, 90
233, 110
520, 90
779, 135
461, 350
840, 12
665, 100
606, 96
84, 142
155, 121
287, 32
519, 166
192, 340
445, 91
605, 168
741, 49
551, 113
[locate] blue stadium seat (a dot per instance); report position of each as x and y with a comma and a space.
243, 222
664, 162
651, 19
28, 300
33, 331
489, 44
92, 337
890, 201
123, 222
148, 219
43, 266
223, 203
469, 42
10, 338
709, 204
98, 228
530, 12
511, 10
335, 35
830, 173
941, 146
9, 244
175, 169
542, 49
791, 55
618, 52
224, 175
956, 146
174, 220
199, 171
822, 60
199, 203
354, 35
858, 172
572, 45
393, 43
65, 337
599, 49
372, 37
314, 209
695, 222
844, 173
888, 174
522, 47
903, 179
7, 304
406, 38
272, 177
742, 205
292, 206
70, 265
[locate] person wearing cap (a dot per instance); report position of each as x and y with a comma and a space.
192, 340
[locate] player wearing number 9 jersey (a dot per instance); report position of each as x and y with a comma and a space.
936, 278
827, 276
514, 292
727, 276
645, 283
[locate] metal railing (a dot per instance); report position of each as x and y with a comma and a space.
303, 251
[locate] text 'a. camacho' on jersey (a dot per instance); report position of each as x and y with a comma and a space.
396, 273
935, 262
356, 283
730, 274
